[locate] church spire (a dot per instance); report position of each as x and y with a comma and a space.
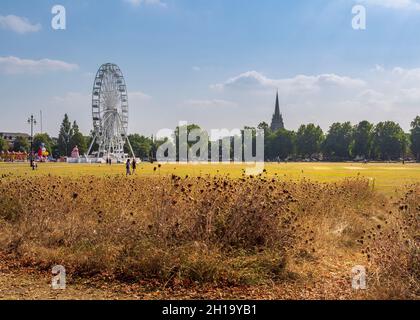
277, 111
277, 122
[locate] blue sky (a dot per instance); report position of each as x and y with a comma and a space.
217, 63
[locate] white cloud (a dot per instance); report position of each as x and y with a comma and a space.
15, 65
410, 75
253, 80
138, 96
214, 103
377, 95
137, 3
17, 24
196, 69
393, 4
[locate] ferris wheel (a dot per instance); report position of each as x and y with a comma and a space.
110, 113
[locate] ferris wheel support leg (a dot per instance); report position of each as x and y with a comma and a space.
128, 141
131, 148
129, 144
91, 144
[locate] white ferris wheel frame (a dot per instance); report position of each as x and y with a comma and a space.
110, 113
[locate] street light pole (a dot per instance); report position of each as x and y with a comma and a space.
32, 122
68, 141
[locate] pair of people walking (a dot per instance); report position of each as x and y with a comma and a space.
130, 165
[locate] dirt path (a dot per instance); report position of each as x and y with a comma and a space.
29, 284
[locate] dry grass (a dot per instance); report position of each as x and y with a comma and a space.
176, 231
385, 176
392, 248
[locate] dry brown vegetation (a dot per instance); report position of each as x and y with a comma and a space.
181, 232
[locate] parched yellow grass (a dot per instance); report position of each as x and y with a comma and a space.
385, 177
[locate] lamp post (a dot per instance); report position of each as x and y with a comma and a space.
68, 134
32, 122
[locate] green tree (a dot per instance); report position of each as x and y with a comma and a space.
55, 152
189, 128
362, 139
89, 139
64, 137
337, 143
309, 139
180, 145
264, 126
45, 139
415, 137
389, 141
142, 146
156, 143
21, 144
4, 146
280, 144
77, 139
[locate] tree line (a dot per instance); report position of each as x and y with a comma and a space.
385, 141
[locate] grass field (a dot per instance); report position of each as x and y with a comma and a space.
385, 176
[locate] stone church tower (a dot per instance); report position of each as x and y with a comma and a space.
277, 122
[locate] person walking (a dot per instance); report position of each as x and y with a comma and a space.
127, 167
134, 166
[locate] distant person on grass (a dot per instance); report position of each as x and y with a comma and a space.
127, 167
134, 166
